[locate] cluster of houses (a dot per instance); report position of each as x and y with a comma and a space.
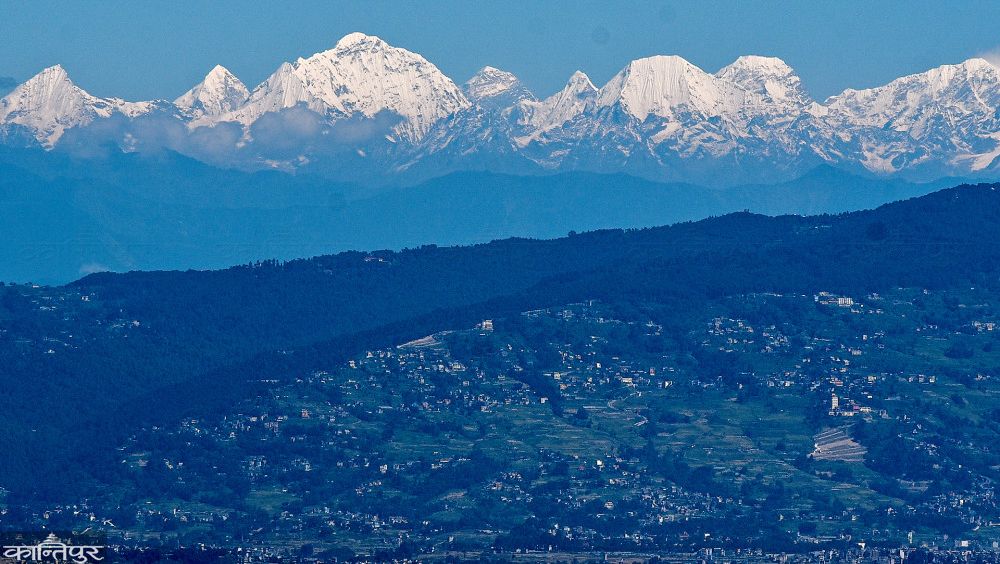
390, 424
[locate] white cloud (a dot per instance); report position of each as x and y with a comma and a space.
93, 268
993, 56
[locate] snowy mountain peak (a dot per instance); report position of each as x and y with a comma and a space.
970, 87
949, 110
362, 75
49, 103
934, 81
579, 83
49, 81
283, 89
756, 64
489, 82
54, 73
662, 84
978, 64
495, 88
220, 92
942, 78
559, 108
355, 39
221, 76
769, 81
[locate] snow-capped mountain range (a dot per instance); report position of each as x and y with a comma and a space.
368, 107
49, 103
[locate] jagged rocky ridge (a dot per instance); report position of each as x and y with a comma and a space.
366, 109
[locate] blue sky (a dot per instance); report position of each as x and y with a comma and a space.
158, 49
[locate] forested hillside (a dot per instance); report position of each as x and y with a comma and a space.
84, 364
